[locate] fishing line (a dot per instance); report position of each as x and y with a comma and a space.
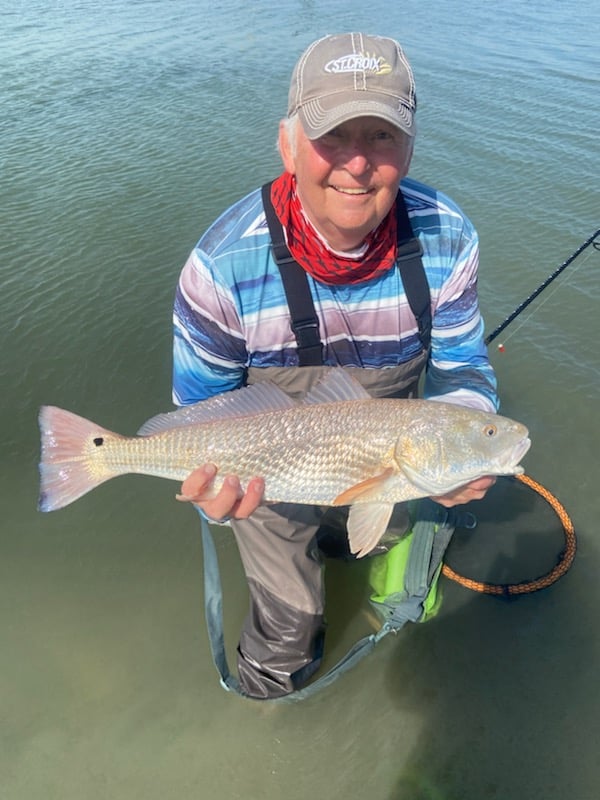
568, 554
543, 302
522, 306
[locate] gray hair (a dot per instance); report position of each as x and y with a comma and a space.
291, 128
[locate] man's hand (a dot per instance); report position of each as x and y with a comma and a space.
230, 502
475, 490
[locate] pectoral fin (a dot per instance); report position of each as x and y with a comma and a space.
362, 490
367, 522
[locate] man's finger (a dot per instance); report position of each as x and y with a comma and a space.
251, 499
198, 481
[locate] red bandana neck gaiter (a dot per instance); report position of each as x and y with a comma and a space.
312, 253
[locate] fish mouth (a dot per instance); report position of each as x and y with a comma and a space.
516, 454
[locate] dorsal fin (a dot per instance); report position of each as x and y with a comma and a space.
336, 385
255, 399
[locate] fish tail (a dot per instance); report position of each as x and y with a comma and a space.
67, 470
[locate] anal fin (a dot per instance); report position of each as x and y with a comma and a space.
367, 522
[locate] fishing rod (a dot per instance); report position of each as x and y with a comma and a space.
542, 286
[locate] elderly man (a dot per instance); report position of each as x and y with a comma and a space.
324, 268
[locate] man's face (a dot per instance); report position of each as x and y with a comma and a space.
347, 180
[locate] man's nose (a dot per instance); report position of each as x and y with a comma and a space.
356, 158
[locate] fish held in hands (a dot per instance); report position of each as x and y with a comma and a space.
338, 446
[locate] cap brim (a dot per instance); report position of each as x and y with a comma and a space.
317, 120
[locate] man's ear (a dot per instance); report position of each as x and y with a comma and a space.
286, 148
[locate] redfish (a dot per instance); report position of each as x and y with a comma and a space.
338, 446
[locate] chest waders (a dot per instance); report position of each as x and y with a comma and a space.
403, 579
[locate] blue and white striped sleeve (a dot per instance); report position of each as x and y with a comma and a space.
459, 369
209, 350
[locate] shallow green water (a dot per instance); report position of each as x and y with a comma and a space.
126, 128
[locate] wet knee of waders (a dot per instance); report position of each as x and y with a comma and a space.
280, 672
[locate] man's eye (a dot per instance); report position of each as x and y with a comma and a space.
383, 136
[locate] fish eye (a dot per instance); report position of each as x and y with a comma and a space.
490, 430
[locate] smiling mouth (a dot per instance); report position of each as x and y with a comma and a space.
345, 190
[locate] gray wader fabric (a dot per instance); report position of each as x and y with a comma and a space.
281, 642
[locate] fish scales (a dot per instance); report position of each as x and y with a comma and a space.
307, 454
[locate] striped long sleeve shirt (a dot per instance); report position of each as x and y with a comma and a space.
231, 313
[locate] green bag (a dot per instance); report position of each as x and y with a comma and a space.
386, 577
405, 579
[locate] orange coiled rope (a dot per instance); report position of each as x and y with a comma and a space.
563, 565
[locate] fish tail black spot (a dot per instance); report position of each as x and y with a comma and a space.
98, 441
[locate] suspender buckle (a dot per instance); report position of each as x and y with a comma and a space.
281, 254
310, 347
409, 248
306, 328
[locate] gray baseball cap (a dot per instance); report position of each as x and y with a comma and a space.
352, 75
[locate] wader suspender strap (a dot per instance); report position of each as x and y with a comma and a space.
431, 535
412, 272
305, 323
